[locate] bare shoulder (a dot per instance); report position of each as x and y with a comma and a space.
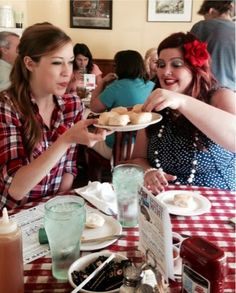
224, 99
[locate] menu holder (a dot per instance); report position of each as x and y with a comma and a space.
89, 81
155, 234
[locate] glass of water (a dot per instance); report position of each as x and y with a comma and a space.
64, 224
126, 179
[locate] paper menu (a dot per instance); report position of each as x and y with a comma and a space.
155, 233
30, 221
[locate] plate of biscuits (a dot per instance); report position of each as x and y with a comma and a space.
184, 202
127, 119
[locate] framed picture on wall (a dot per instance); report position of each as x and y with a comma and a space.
170, 10
94, 14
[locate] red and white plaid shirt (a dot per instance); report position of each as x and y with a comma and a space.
13, 156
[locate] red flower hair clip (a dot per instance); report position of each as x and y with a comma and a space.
196, 53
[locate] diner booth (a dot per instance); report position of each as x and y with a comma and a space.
131, 25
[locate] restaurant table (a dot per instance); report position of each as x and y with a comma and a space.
213, 225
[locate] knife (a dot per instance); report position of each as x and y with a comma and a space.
44, 240
102, 239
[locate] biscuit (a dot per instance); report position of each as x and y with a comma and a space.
104, 117
120, 110
94, 220
183, 200
141, 118
137, 108
119, 120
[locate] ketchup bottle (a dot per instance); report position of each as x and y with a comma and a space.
204, 266
11, 260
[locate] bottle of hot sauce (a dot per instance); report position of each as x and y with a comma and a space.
204, 266
11, 260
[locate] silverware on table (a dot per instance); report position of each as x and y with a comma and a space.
102, 239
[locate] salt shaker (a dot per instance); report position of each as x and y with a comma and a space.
132, 280
11, 259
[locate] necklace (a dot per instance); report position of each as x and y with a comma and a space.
194, 161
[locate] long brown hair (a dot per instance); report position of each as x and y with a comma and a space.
83, 49
37, 40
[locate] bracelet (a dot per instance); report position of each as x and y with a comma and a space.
149, 170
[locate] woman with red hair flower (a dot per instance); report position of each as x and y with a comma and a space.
195, 141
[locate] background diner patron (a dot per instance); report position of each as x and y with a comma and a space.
83, 63
126, 87
218, 30
8, 52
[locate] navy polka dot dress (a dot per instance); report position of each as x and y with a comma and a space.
215, 166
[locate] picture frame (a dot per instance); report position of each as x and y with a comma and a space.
93, 14
170, 10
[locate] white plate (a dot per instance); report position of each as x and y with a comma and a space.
81, 263
132, 127
110, 227
200, 205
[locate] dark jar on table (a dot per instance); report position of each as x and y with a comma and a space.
204, 266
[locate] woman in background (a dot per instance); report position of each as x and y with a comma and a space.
150, 60
83, 63
126, 87
218, 30
40, 126
195, 141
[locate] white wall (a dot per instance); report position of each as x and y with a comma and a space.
130, 27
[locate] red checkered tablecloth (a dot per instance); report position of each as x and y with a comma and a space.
214, 226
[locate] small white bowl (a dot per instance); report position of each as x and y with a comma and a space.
81, 263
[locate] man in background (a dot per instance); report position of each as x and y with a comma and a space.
8, 53
218, 30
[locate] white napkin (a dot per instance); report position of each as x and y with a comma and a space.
101, 195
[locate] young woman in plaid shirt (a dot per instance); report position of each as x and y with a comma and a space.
40, 126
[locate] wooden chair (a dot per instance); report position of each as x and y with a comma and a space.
123, 147
99, 168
